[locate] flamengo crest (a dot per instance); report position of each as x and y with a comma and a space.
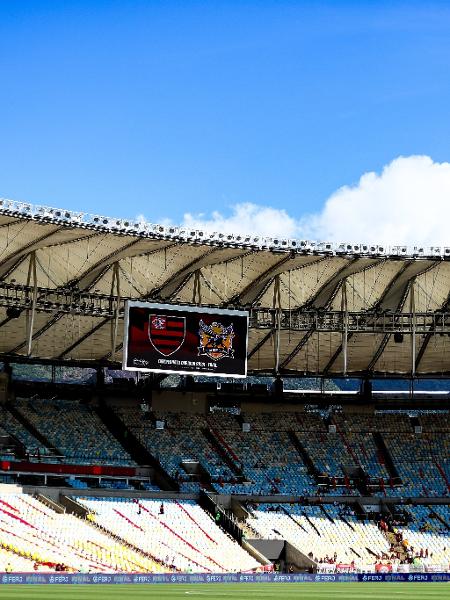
166, 333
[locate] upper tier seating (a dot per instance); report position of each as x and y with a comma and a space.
181, 439
434, 422
282, 453
266, 460
422, 461
360, 444
75, 430
13, 427
266, 455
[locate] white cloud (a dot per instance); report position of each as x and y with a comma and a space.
246, 218
407, 203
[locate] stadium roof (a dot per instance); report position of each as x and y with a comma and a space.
325, 309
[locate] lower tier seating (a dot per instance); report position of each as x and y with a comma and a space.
320, 536
333, 534
180, 535
31, 530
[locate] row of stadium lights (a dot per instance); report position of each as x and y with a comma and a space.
55, 215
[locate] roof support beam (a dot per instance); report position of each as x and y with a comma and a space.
305, 339
334, 282
31, 314
256, 288
399, 306
430, 334
277, 307
297, 348
349, 335
333, 359
175, 281
412, 310
38, 333
83, 338
9, 262
88, 277
261, 280
344, 309
115, 286
261, 343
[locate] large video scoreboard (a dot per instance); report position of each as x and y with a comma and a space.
167, 338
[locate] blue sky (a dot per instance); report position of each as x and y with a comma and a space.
162, 108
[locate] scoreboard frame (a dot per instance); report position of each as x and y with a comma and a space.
227, 359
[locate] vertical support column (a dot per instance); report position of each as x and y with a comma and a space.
32, 276
277, 306
196, 292
115, 323
344, 310
4, 386
412, 308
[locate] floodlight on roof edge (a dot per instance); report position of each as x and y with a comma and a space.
118, 226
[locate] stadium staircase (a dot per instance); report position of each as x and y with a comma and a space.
357, 475
224, 451
442, 474
396, 546
199, 475
248, 531
242, 513
344, 520
345, 442
54, 452
386, 457
50, 503
195, 526
327, 515
440, 518
134, 447
11, 442
311, 467
312, 524
286, 512
222, 519
72, 506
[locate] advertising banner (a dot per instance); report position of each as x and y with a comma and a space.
167, 338
186, 578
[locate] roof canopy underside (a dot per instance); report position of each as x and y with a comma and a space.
95, 267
